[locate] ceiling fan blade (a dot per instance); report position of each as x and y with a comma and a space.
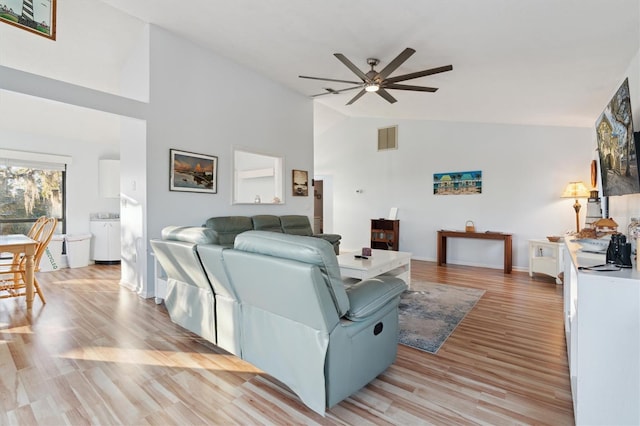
409, 87
330, 79
393, 65
387, 96
351, 66
348, 88
356, 97
330, 91
419, 74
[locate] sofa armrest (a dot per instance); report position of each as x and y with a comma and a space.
332, 238
369, 296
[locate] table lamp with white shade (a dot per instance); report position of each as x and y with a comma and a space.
576, 190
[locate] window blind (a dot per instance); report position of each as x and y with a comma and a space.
33, 160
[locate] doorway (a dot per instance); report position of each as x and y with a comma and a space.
318, 210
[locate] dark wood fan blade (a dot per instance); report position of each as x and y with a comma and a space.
330, 79
419, 74
393, 65
409, 87
335, 92
387, 96
356, 97
351, 66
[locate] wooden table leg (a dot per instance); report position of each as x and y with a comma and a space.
442, 249
28, 278
507, 254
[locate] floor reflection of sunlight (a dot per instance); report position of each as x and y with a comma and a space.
161, 358
24, 329
77, 281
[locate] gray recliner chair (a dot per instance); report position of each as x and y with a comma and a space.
199, 295
301, 326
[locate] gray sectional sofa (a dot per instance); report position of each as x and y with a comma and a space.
278, 302
226, 228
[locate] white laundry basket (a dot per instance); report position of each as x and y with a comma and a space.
78, 250
50, 260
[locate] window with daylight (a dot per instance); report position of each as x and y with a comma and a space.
31, 185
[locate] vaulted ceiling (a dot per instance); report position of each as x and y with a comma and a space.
541, 62
527, 61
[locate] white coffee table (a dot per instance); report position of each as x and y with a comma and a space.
380, 262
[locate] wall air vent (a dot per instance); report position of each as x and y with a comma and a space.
388, 138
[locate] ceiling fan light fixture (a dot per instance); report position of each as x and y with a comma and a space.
371, 87
380, 81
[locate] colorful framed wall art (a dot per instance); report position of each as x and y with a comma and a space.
457, 183
192, 172
37, 17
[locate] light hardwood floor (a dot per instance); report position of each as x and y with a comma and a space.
98, 354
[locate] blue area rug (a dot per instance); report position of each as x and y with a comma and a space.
429, 316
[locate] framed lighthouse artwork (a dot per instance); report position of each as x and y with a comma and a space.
35, 16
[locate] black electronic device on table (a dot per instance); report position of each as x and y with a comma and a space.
619, 251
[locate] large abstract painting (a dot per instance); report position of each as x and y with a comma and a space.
457, 183
616, 146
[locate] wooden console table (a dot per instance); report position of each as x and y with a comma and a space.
442, 244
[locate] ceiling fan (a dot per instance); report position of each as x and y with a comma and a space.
379, 82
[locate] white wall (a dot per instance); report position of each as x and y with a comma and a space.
133, 205
203, 103
198, 102
133, 172
92, 38
524, 170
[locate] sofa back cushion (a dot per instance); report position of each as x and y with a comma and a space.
180, 261
266, 222
226, 228
314, 251
296, 225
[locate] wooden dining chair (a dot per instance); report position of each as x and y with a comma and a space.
35, 228
13, 277
33, 232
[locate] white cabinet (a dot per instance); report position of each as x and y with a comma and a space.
106, 240
602, 325
545, 257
